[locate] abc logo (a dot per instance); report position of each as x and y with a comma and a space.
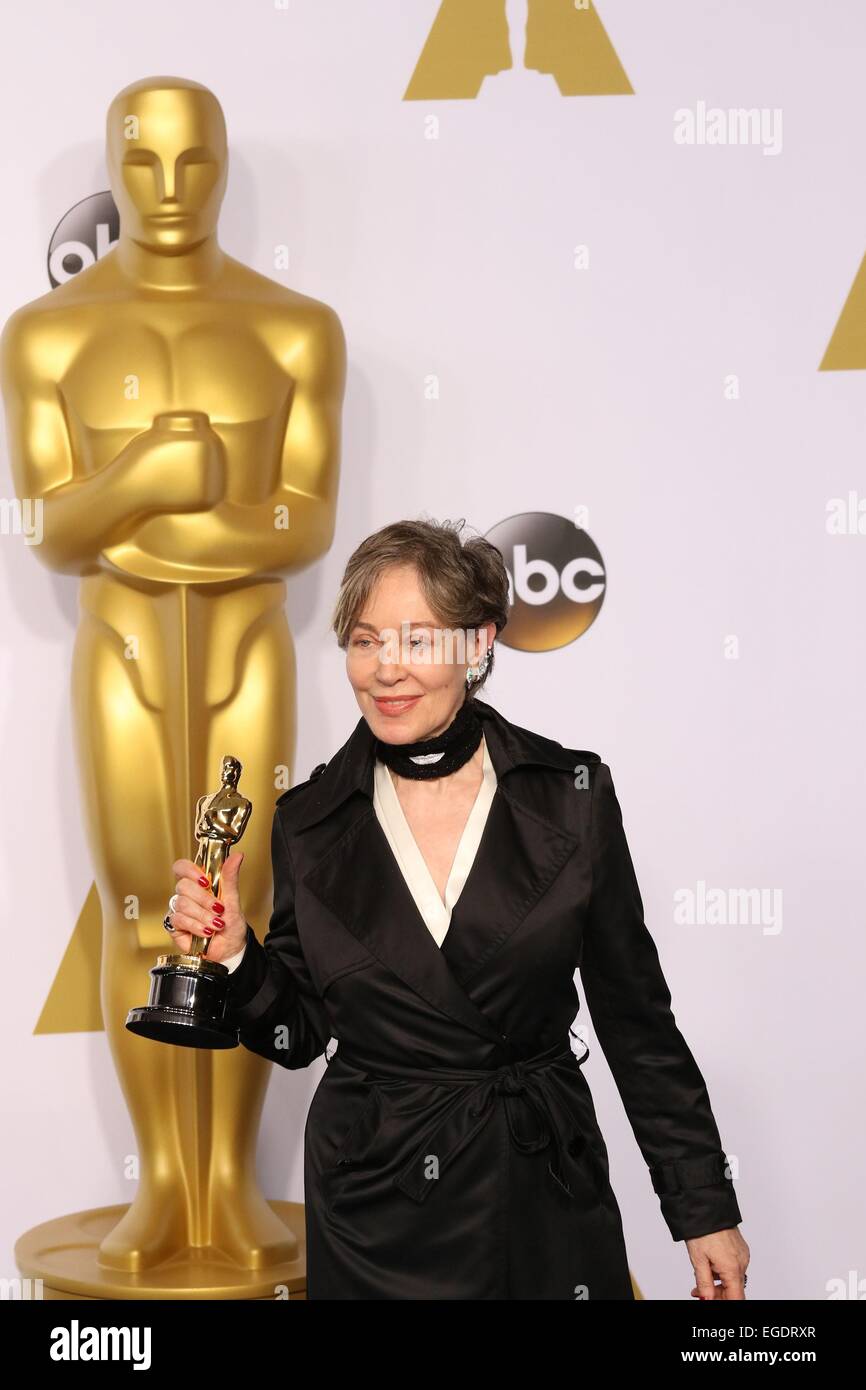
556, 580
82, 236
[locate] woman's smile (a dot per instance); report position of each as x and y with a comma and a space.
393, 705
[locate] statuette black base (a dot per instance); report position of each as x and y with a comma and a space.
186, 1005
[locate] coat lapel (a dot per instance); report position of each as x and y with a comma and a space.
374, 902
519, 856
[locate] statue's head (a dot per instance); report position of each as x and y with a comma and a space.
231, 772
167, 162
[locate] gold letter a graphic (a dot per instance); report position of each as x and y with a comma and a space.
469, 41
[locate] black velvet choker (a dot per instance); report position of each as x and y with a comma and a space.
440, 755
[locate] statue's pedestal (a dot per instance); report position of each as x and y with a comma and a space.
62, 1253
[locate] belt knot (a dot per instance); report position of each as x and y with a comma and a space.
508, 1080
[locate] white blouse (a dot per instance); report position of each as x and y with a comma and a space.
436, 913
392, 818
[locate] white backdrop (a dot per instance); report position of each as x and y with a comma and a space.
670, 386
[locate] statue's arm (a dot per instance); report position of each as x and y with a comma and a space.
242, 825
80, 517
310, 470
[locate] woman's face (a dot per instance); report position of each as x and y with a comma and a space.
409, 684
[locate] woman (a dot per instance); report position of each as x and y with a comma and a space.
436, 885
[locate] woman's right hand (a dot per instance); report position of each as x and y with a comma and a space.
198, 913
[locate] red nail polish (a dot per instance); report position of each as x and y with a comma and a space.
217, 924
218, 906
208, 931
205, 882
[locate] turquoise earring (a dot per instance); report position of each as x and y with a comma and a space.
474, 673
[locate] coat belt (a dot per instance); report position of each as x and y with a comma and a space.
544, 1082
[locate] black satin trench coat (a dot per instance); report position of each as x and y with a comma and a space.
451, 1149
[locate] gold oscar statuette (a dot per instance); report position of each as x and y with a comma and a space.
188, 992
176, 417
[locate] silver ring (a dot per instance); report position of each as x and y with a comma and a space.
166, 922
172, 903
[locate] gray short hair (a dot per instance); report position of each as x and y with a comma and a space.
465, 581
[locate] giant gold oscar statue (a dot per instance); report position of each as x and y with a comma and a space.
177, 415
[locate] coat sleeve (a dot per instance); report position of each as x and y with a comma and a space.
271, 997
663, 1091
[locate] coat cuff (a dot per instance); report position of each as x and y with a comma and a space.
696, 1195
243, 1005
